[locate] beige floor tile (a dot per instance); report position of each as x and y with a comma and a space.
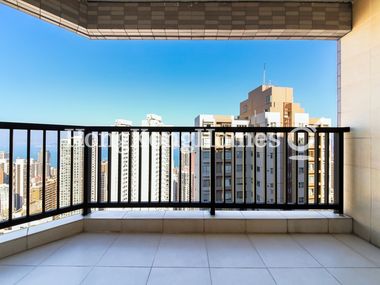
241, 276
183, 276
181, 251
232, 251
332, 253
282, 251
303, 276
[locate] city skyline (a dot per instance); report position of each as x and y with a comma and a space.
189, 167
124, 79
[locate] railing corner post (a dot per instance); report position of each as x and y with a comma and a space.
339, 171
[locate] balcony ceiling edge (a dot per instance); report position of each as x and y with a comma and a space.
237, 20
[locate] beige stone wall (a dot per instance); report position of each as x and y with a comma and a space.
359, 108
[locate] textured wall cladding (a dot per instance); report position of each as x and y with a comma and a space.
71, 13
194, 19
214, 15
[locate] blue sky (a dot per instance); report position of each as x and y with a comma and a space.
50, 75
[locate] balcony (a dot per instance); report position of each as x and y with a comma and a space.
78, 168
100, 203
136, 218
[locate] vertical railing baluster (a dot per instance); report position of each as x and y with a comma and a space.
265, 170
190, 198
254, 169
212, 173
130, 165
200, 165
316, 168
58, 169
233, 165
99, 164
286, 169
10, 179
297, 166
327, 167
224, 168
245, 167
140, 166
150, 167
71, 168
275, 171
109, 167
28, 173
87, 162
43, 171
160, 167
306, 169
119, 166
170, 166
180, 169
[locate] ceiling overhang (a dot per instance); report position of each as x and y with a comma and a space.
195, 19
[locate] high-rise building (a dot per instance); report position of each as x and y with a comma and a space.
160, 160
2, 173
50, 196
226, 158
103, 181
4, 200
19, 182
4, 167
65, 170
186, 175
4, 155
120, 144
47, 165
273, 106
271, 99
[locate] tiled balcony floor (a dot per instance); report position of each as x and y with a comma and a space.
196, 259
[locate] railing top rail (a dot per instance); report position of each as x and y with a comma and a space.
55, 127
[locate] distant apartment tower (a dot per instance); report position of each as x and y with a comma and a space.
2, 174
103, 181
271, 99
273, 106
160, 156
185, 191
126, 146
233, 177
120, 149
4, 200
19, 183
47, 164
36, 196
66, 181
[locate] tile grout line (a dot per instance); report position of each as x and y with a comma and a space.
356, 251
208, 258
54, 251
154, 258
23, 277
333, 276
261, 258
324, 267
39, 264
93, 266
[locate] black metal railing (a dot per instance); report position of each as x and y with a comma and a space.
51, 170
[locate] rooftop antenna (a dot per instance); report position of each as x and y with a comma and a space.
264, 73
